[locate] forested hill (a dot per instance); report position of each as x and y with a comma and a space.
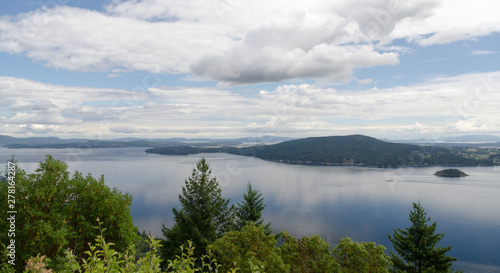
342, 150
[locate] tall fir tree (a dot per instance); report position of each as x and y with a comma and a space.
205, 215
250, 209
417, 246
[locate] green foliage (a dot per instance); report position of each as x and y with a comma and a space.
308, 254
250, 209
246, 249
89, 199
205, 215
142, 246
186, 262
5, 267
361, 257
101, 257
417, 246
56, 212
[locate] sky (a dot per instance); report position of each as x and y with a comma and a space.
390, 69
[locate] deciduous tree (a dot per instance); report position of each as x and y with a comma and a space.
308, 254
248, 249
361, 257
56, 212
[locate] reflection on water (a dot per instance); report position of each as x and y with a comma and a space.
365, 204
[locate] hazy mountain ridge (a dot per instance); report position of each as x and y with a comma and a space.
58, 143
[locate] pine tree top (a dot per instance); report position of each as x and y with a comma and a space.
417, 245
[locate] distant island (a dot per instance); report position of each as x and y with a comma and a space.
451, 173
58, 143
353, 150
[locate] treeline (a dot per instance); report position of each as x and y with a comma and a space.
341, 150
78, 224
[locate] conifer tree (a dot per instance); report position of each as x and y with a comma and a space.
417, 246
205, 215
250, 209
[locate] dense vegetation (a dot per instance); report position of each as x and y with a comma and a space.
342, 150
57, 212
77, 224
450, 173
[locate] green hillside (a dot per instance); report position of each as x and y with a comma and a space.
342, 150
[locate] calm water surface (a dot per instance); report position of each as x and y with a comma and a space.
365, 204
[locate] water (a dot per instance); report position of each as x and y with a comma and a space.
365, 204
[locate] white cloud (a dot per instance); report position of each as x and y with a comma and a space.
450, 21
41, 118
240, 42
125, 129
445, 105
294, 44
83, 40
365, 81
483, 52
471, 125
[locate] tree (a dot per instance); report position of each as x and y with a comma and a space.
89, 199
250, 209
205, 215
56, 212
361, 257
417, 246
247, 249
308, 254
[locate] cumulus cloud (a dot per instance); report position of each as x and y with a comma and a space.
82, 40
239, 42
471, 125
450, 21
40, 118
464, 103
294, 44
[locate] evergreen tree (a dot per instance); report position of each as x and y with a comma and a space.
417, 246
250, 209
205, 215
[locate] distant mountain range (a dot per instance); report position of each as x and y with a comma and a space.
468, 140
356, 150
54, 142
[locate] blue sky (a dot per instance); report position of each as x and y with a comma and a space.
228, 68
